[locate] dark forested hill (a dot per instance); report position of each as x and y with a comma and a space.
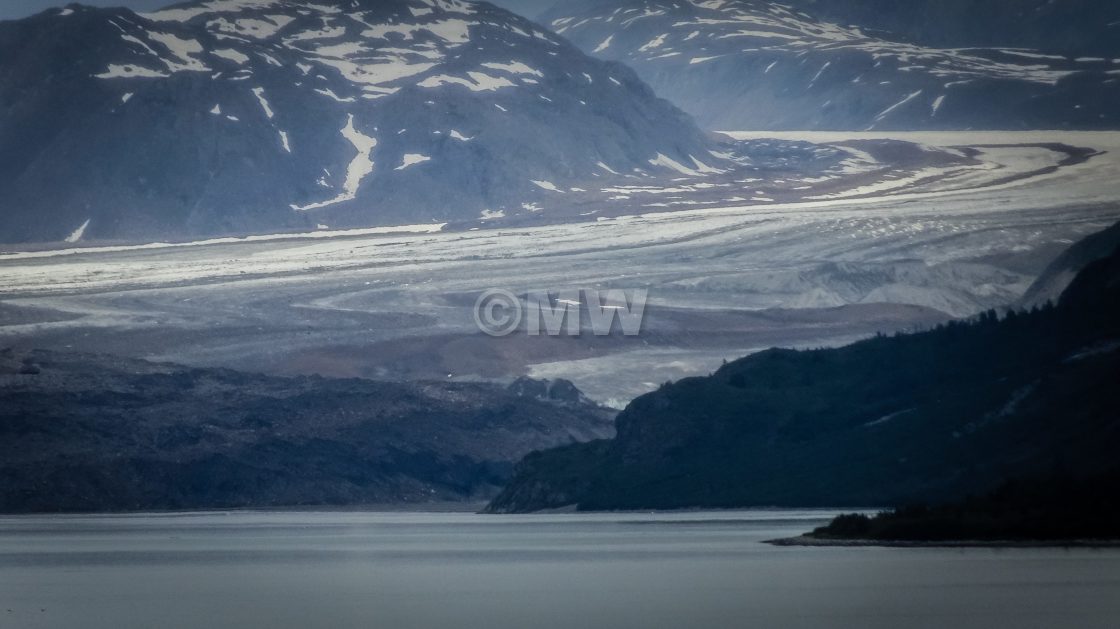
97, 433
928, 416
1050, 507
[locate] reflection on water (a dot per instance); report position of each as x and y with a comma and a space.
281, 570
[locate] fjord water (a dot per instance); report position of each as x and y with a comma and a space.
348, 569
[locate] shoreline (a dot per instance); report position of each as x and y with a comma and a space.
807, 541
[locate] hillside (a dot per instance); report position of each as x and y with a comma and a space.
98, 433
891, 420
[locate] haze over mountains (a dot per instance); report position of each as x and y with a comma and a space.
241, 116
829, 64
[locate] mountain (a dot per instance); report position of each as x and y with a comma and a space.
245, 116
834, 64
99, 433
892, 420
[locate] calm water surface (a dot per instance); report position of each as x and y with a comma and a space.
401, 570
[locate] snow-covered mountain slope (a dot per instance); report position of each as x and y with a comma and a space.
240, 116
749, 64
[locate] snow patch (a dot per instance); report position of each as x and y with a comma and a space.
259, 93
656, 42
326, 91
78, 233
546, 185
250, 27
820, 72
359, 168
606, 168
232, 55
668, 162
886, 112
937, 103
478, 82
411, 159
515, 67
182, 49
214, 6
129, 71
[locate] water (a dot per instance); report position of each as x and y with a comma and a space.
400, 570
